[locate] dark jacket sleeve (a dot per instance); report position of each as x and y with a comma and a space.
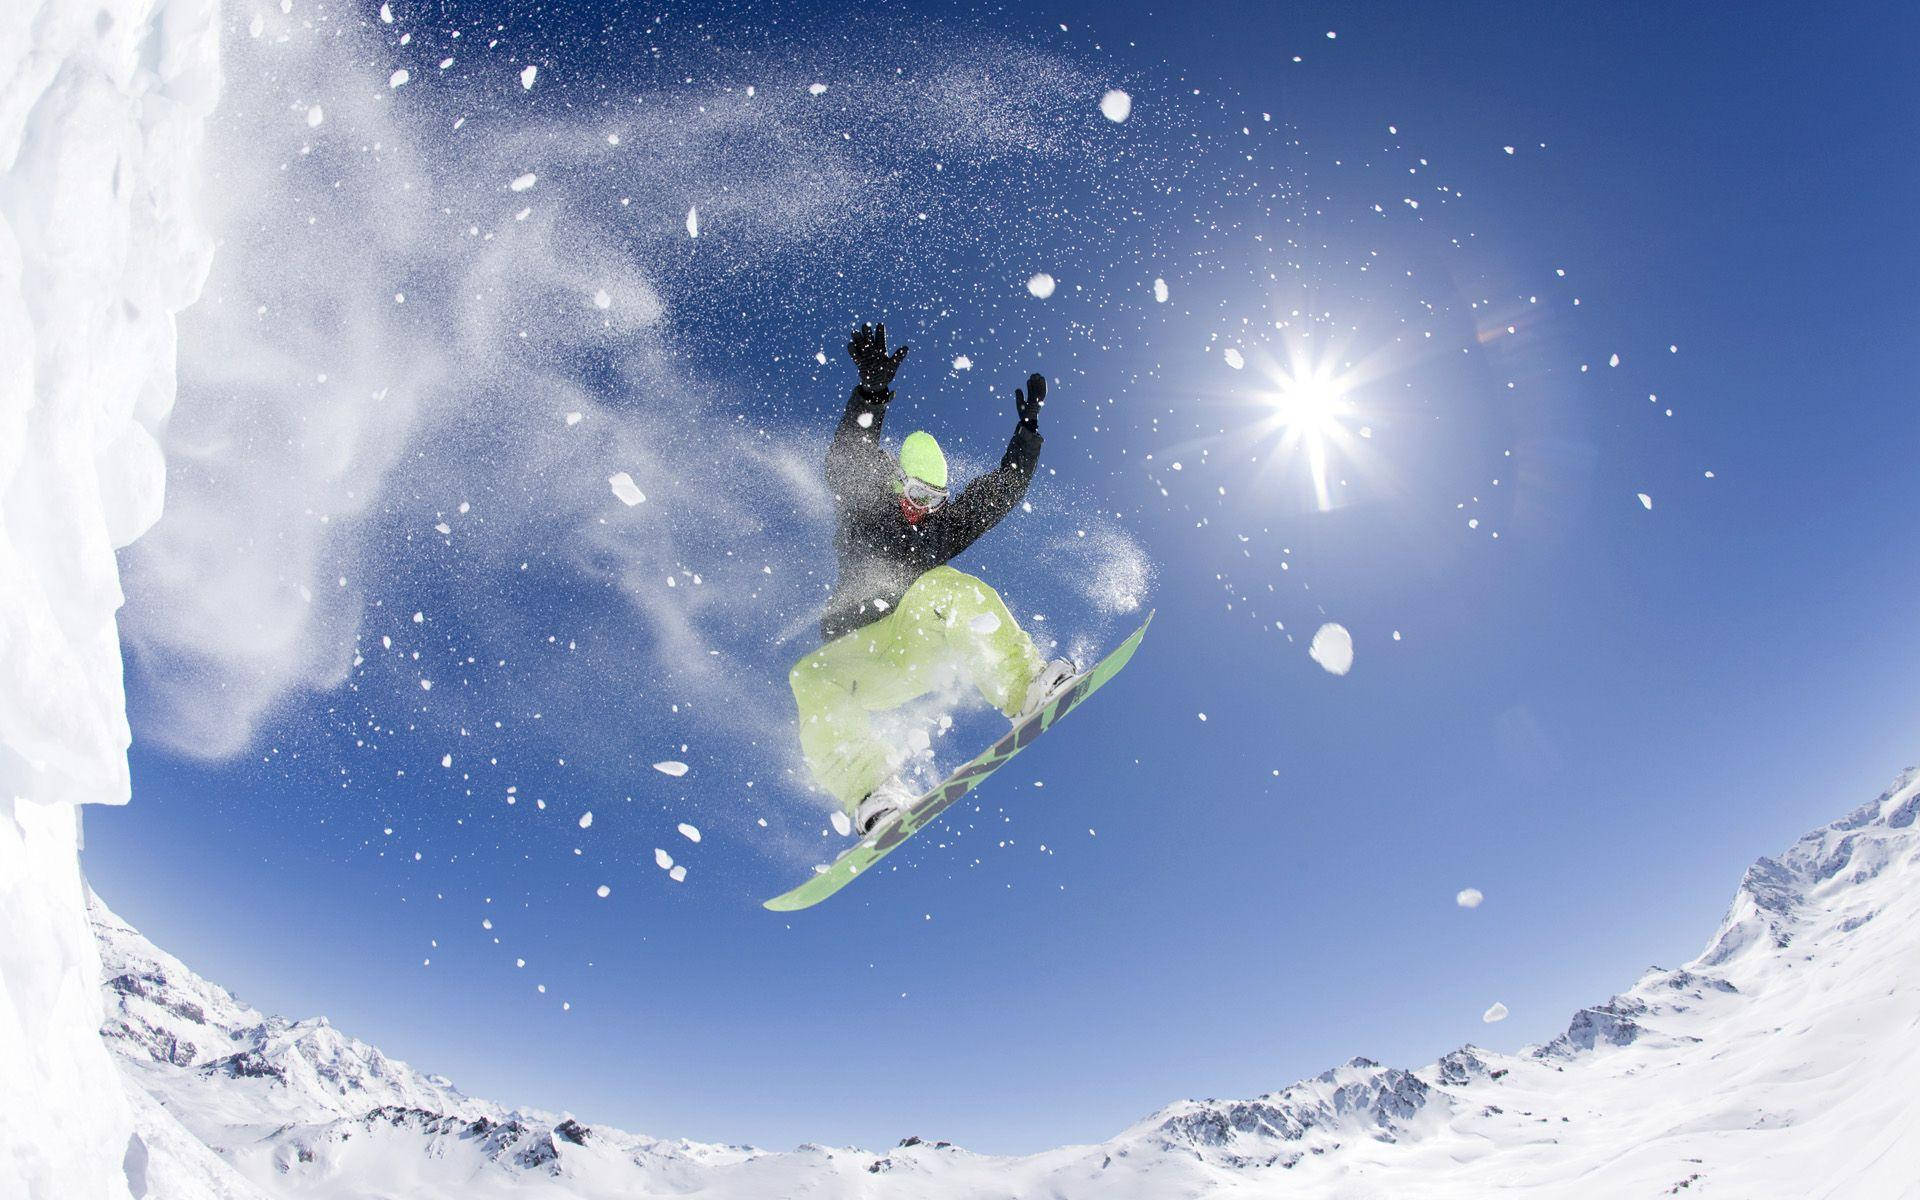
982, 503
858, 470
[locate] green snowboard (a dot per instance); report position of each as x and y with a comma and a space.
873, 848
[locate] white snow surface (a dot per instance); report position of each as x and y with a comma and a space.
1779, 1063
102, 110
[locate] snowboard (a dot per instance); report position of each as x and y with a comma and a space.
882, 842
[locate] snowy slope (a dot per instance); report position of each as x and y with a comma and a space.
1779, 1063
102, 106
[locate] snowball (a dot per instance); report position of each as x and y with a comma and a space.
1160, 291
1332, 648
1497, 1013
586, 819
1234, 358
689, 832
693, 221
624, 487
1116, 105
1468, 897
528, 76
662, 859
1041, 285
675, 769
1646, 501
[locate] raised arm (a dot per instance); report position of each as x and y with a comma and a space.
856, 464
982, 503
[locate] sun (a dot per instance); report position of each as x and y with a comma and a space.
1309, 407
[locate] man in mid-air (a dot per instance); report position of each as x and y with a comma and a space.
899, 616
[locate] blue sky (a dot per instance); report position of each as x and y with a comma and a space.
1598, 719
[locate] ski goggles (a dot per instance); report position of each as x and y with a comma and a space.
919, 491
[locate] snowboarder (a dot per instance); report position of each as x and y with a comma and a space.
899, 615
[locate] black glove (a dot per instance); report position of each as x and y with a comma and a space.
868, 348
1030, 401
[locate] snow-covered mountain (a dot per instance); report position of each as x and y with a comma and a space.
1782, 1062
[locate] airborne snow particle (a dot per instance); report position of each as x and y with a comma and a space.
841, 825
1646, 501
1332, 648
662, 859
693, 221
678, 874
386, 14
984, 623
675, 769
1497, 1013
1116, 105
602, 300
426, 685
315, 115
398, 78
689, 832
528, 76
816, 89
603, 891
1508, 149
523, 182
1468, 897
820, 356
573, 418
586, 819
624, 487
1614, 361
1234, 358
962, 363
1160, 291
446, 760
1041, 285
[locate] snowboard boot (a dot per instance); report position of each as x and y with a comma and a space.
884, 803
1053, 679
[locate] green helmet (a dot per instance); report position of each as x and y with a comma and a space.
921, 458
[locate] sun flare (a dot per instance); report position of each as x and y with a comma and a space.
1310, 409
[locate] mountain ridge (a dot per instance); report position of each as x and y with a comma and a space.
1754, 1024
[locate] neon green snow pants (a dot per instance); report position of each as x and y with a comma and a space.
946, 618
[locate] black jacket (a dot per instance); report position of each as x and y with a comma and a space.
880, 553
